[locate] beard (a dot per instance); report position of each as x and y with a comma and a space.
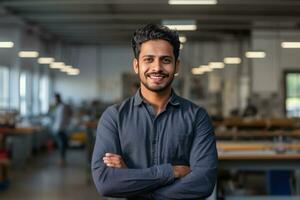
157, 87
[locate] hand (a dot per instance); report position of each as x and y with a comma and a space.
181, 170
114, 160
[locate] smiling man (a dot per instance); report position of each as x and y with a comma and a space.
155, 145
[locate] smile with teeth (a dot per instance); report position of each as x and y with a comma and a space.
157, 77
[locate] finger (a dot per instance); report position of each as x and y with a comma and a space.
113, 165
109, 163
113, 159
114, 162
112, 155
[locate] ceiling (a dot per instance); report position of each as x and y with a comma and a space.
113, 21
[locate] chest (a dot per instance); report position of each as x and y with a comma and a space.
165, 138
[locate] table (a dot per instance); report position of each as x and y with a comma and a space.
20, 141
260, 156
256, 134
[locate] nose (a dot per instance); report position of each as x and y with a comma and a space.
157, 65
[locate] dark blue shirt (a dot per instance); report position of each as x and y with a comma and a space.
182, 134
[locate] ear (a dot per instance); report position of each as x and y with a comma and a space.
135, 65
177, 66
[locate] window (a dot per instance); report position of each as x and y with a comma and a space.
23, 91
292, 94
4, 87
44, 94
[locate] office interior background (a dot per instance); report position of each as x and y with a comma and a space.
239, 60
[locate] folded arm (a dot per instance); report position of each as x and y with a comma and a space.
122, 182
196, 182
199, 183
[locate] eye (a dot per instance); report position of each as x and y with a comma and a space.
148, 59
167, 60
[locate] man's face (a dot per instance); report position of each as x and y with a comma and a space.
156, 65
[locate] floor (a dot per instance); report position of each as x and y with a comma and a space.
43, 179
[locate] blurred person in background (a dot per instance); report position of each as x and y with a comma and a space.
62, 117
155, 145
251, 110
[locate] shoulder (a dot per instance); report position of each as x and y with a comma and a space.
191, 107
115, 110
195, 114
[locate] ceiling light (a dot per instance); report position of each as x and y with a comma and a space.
216, 65
206, 68
290, 45
182, 39
6, 44
73, 71
232, 60
197, 71
193, 2
255, 54
181, 25
57, 65
66, 68
45, 60
28, 54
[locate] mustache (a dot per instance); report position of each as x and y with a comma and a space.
162, 73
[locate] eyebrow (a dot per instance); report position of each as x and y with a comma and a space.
163, 56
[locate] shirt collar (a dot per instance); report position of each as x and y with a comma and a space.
174, 99
138, 100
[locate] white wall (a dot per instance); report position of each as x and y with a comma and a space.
100, 77
267, 72
9, 58
226, 81
102, 66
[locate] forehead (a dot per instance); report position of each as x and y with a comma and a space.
156, 47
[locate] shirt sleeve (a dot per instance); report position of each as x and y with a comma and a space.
121, 182
199, 183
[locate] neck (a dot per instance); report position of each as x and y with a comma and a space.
157, 99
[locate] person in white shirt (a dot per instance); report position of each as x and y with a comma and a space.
60, 125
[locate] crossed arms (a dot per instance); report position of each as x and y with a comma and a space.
113, 178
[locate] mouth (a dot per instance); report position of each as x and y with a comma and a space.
157, 77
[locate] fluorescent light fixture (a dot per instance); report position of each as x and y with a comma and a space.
73, 71
291, 45
182, 39
181, 25
216, 65
205, 68
45, 60
57, 65
6, 44
193, 2
232, 60
66, 68
201, 69
255, 54
197, 71
28, 54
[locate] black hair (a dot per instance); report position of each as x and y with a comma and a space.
57, 97
154, 32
